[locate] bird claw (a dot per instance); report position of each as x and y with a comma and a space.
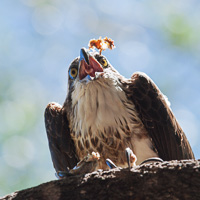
86, 165
130, 156
132, 159
110, 164
152, 160
89, 163
63, 174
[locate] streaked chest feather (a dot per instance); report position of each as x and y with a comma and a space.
105, 121
100, 107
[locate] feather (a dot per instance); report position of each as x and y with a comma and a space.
167, 136
61, 145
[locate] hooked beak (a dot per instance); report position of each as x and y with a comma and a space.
88, 65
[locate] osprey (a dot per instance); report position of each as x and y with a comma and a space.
105, 112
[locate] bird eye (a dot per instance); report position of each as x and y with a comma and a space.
103, 62
73, 73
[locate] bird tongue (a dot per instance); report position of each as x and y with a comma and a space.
88, 68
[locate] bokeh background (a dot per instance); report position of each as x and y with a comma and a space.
39, 39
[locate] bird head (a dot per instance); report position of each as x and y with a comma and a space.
90, 67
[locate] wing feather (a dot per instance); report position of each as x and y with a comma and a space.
61, 145
167, 136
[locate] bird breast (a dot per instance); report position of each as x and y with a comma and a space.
100, 105
104, 120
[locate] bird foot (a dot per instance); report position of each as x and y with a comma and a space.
132, 159
62, 174
130, 156
86, 165
152, 160
110, 164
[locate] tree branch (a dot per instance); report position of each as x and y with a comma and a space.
167, 180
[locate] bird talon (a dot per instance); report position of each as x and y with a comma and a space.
63, 174
86, 165
131, 158
110, 163
152, 160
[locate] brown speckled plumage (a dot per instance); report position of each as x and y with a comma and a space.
109, 114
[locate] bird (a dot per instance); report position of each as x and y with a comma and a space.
107, 113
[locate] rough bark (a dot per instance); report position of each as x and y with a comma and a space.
167, 180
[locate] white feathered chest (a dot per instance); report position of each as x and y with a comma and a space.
104, 120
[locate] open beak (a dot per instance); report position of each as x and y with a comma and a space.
88, 65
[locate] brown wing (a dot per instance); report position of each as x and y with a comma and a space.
162, 126
61, 145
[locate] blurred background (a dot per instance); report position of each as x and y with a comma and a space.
39, 39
